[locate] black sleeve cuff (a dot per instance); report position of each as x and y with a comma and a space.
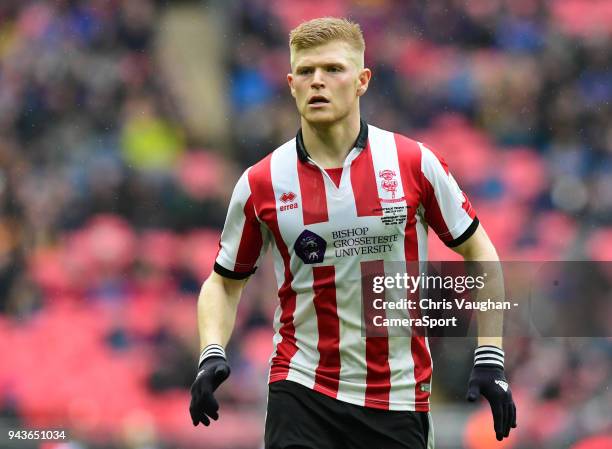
466, 235
221, 271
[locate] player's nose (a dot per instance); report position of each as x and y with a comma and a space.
317, 79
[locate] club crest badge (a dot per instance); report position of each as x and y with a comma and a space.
388, 182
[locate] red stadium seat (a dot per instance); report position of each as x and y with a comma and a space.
524, 173
556, 232
596, 442
111, 241
599, 245
468, 151
202, 174
293, 12
198, 251
583, 17
479, 433
159, 248
258, 347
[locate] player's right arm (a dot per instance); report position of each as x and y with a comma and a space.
243, 242
217, 306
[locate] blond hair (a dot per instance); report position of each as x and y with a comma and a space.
324, 30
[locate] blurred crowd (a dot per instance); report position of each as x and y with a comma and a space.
110, 208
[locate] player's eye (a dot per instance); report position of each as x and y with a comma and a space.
304, 70
334, 69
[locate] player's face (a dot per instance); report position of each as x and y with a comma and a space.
327, 81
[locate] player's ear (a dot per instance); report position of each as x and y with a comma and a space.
363, 81
290, 82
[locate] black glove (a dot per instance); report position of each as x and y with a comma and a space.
213, 370
488, 379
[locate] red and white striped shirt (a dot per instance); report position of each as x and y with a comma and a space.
324, 237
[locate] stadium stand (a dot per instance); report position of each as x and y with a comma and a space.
116, 167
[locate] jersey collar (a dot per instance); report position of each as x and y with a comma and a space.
362, 140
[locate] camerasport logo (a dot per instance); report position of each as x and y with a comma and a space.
389, 184
288, 198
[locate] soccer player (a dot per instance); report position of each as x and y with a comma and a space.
339, 199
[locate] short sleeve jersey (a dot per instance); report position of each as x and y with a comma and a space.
323, 236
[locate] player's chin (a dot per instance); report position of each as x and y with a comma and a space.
319, 117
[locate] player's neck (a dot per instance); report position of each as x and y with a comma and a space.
329, 145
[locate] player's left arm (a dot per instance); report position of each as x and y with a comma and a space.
450, 214
488, 377
479, 248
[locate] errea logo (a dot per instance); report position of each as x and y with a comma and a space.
288, 198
